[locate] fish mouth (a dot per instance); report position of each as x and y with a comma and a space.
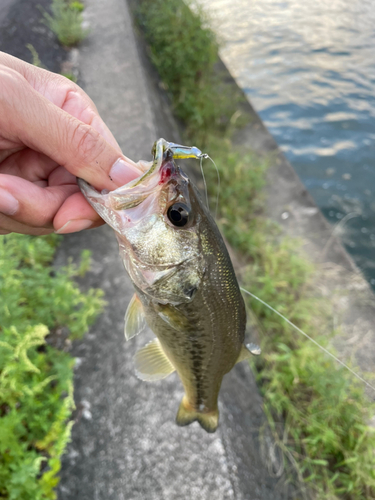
151, 193
160, 178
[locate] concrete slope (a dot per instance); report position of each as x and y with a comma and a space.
125, 444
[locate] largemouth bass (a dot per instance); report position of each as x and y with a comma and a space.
185, 286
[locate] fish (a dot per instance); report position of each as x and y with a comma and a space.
186, 289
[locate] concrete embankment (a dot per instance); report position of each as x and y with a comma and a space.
338, 280
125, 444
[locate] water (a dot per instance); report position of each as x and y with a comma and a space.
309, 70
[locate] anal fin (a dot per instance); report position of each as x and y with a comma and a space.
134, 318
151, 362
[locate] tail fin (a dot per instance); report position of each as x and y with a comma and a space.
187, 415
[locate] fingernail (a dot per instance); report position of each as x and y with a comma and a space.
73, 226
8, 203
121, 173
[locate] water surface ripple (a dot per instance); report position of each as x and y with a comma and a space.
309, 70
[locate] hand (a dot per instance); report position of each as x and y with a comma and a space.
51, 133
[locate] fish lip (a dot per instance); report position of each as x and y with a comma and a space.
85, 187
167, 171
168, 183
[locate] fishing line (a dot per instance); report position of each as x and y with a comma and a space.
218, 185
204, 179
336, 229
310, 338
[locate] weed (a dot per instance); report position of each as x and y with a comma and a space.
65, 21
36, 60
70, 76
78, 6
36, 388
185, 51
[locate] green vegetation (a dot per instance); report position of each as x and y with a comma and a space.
185, 52
70, 76
318, 415
40, 307
36, 59
78, 6
38, 63
65, 21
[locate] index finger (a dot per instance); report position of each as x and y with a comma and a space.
31, 119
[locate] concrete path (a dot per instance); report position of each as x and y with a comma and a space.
125, 444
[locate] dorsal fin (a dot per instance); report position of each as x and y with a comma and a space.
134, 318
151, 362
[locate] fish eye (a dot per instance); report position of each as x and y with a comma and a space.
178, 214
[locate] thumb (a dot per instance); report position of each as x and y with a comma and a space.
32, 120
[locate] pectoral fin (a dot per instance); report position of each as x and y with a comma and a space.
151, 362
172, 316
134, 318
247, 351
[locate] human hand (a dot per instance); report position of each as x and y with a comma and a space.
51, 133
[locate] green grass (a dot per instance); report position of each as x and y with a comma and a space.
185, 51
65, 21
70, 76
76, 5
39, 306
36, 59
318, 415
